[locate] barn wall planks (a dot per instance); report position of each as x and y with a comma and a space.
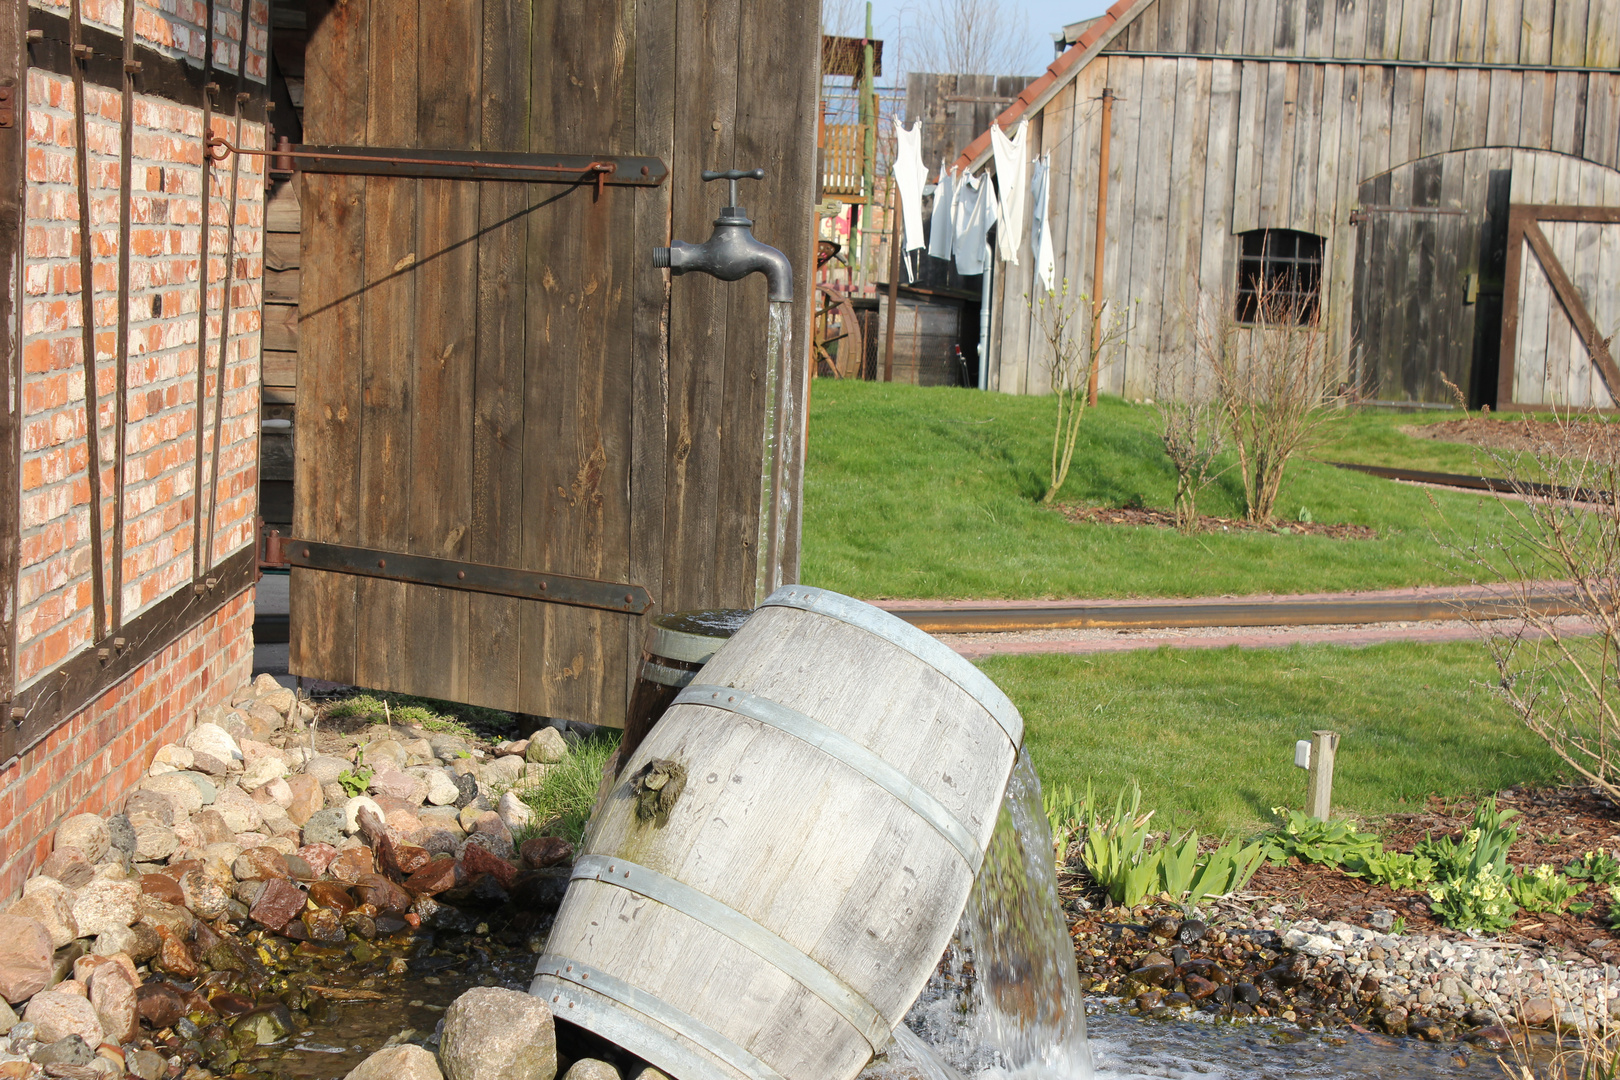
1278, 134
495, 373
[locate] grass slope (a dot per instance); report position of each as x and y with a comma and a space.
1211, 732
934, 492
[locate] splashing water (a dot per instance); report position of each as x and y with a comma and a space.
1005, 1002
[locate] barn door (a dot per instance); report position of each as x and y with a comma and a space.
1429, 277
1562, 306
516, 438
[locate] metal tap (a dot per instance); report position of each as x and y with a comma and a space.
731, 252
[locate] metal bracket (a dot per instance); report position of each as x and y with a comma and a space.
472, 165
467, 576
8, 106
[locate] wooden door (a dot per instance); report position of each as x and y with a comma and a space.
1429, 266
516, 437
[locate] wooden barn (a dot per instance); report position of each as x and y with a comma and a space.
1442, 174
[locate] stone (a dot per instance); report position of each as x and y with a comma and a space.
318, 857
146, 1065
274, 820
72, 1050
68, 866
475, 860
324, 926
399, 785
546, 746
434, 878
1537, 1011
215, 740
382, 894
503, 772
467, 785
51, 905
325, 768
331, 894
240, 812
403, 1062
212, 828
351, 812
489, 824
112, 995
175, 956
154, 842
159, 1004
261, 772
352, 864
86, 832
122, 834
259, 864
514, 811
8, 1018
156, 912
152, 806
491, 1033
386, 752
590, 1068
305, 798
101, 904
171, 758
277, 791
542, 851
1381, 919
325, 827
56, 1015
265, 1025
210, 764
280, 699
511, 746
204, 897
27, 963
185, 795
441, 790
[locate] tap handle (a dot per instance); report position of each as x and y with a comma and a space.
734, 175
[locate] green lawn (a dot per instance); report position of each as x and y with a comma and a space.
1209, 735
934, 492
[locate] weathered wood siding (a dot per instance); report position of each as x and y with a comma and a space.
1238, 116
495, 373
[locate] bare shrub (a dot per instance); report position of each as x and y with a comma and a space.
1275, 384
1072, 345
1557, 663
1192, 428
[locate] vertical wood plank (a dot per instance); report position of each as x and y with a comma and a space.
1502, 119
1328, 163
1603, 34
1444, 30
1472, 109
1601, 141
1308, 135
1568, 111
13, 73
448, 116
1377, 119
1470, 45
1318, 37
1350, 30
1379, 14
1569, 22
1184, 239
1535, 33
388, 344
577, 385
1215, 282
493, 648
1342, 236
1126, 144
1406, 114
1536, 110
1250, 135
323, 621
1502, 28
1439, 110
1259, 24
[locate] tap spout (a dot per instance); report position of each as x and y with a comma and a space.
730, 253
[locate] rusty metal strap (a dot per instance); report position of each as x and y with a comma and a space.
467, 576
472, 165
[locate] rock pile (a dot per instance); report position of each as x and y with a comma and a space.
170, 938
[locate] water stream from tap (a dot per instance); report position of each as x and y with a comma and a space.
1005, 1001
783, 439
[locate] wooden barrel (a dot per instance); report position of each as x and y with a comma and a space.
676, 647
784, 858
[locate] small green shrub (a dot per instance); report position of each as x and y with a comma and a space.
1066, 815
1480, 901
1543, 889
1598, 867
563, 798
1186, 878
1118, 856
1392, 869
1328, 843
1473, 880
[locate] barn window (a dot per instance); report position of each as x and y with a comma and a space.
1279, 277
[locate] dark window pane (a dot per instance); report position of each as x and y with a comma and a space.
1279, 276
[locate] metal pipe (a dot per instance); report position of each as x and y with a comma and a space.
1102, 237
87, 315
894, 286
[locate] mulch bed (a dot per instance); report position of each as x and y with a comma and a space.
1556, 826
1104, 515
1581, 436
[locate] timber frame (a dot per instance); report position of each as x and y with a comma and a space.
1524, 230
13, 125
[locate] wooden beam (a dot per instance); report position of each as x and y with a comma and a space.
13, 66
1597, 346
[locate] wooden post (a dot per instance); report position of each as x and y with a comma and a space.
1319, 794
1102, 236
894, 284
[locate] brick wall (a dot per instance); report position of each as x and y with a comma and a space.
54, 619
175, 28
89, 763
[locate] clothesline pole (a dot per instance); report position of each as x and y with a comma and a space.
1102, 237
894, 283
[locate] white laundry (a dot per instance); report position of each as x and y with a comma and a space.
1010, 170
975, 213
909, 176
942, 226
1040, 229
